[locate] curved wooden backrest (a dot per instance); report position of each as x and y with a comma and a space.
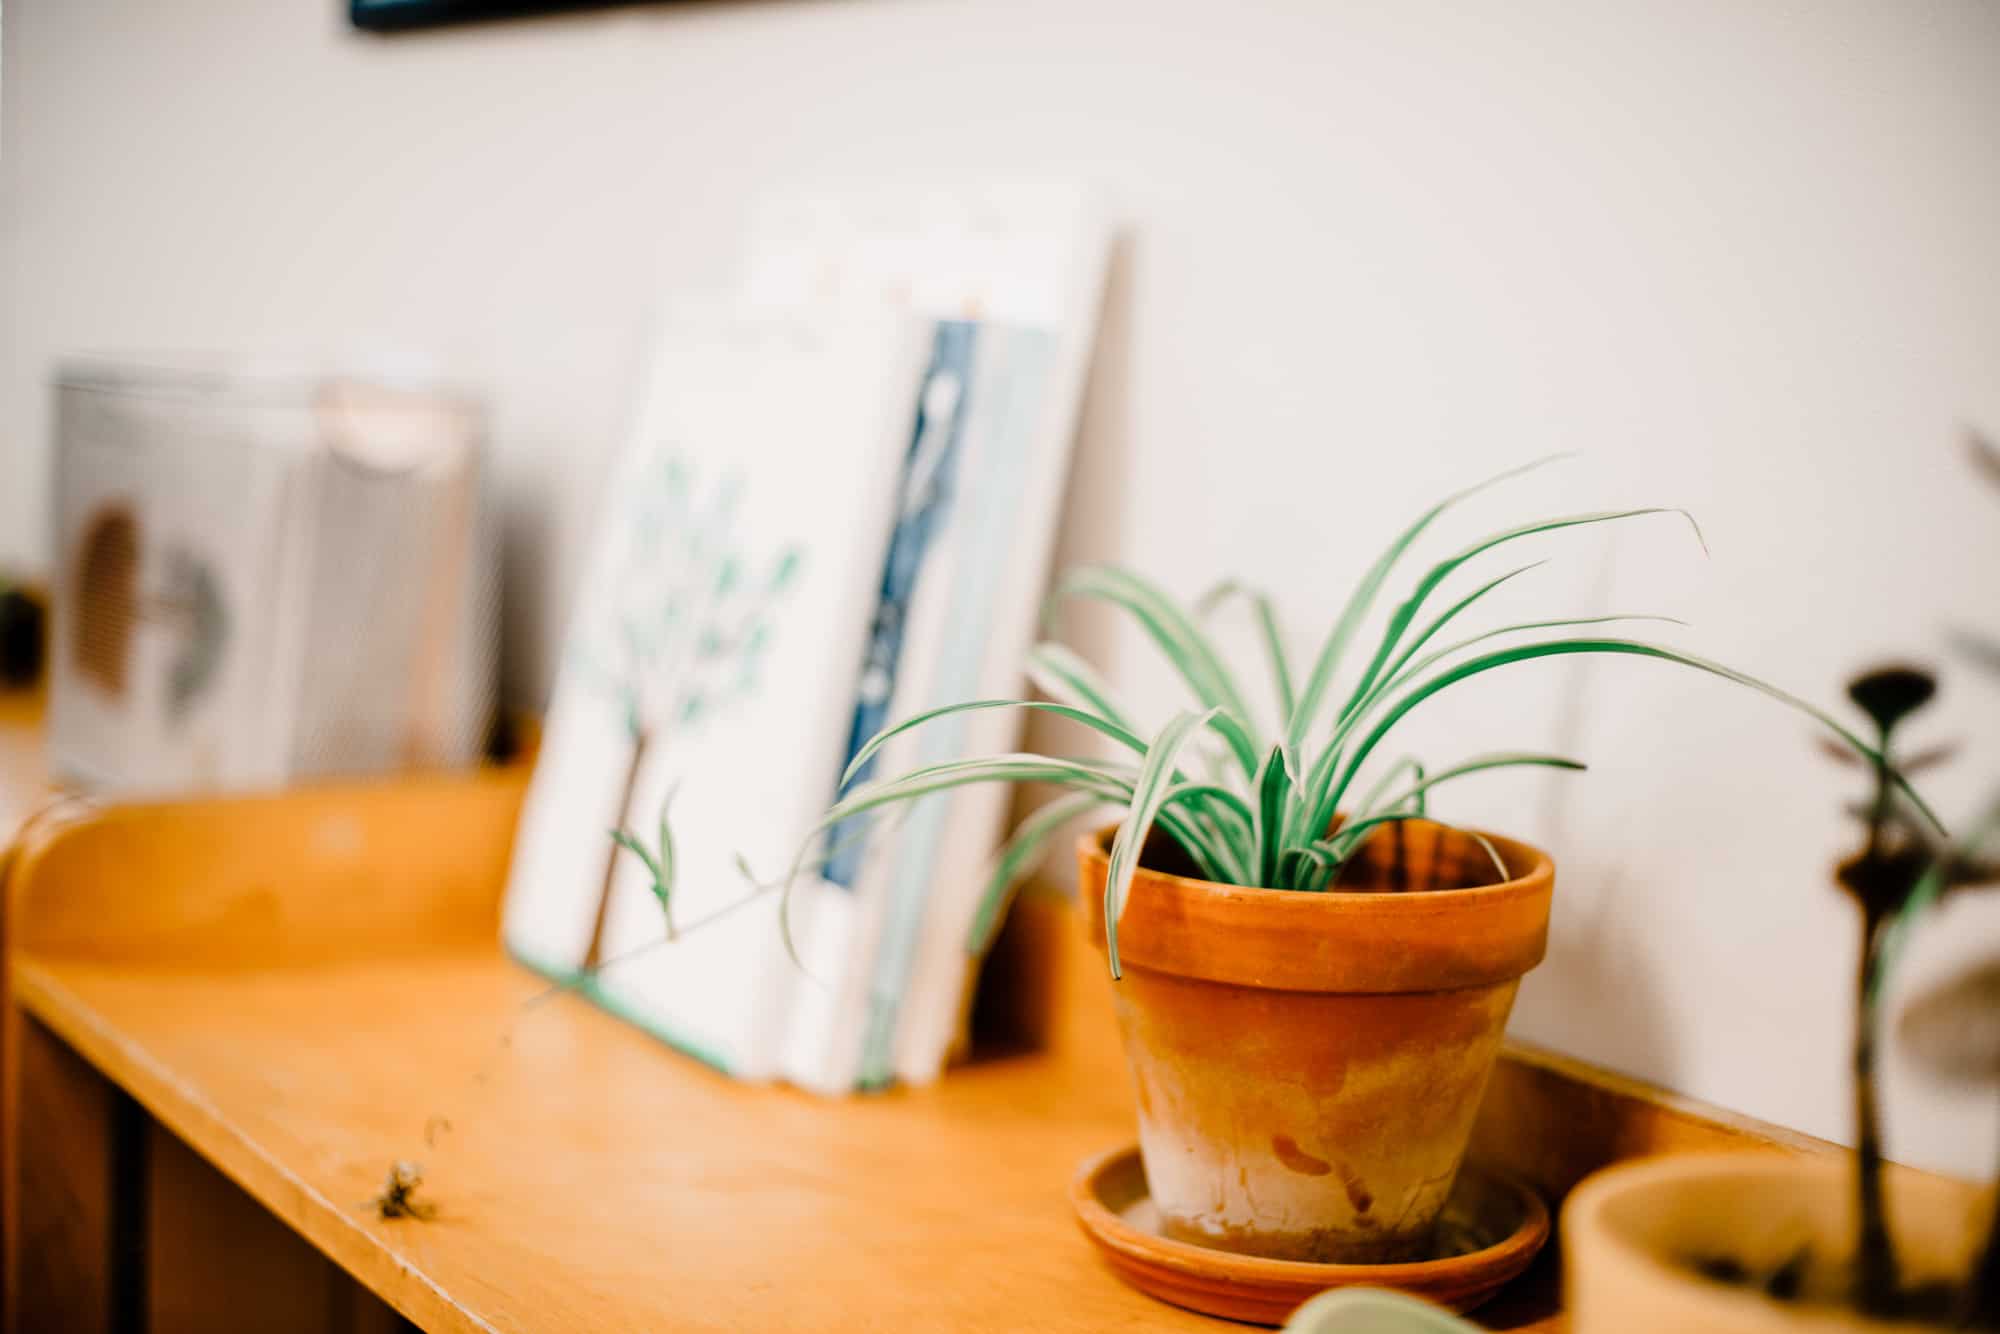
309, 875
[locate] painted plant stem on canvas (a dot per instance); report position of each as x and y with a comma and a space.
686, 634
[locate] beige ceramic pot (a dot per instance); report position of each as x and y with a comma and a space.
1308, 1066
1630, 1232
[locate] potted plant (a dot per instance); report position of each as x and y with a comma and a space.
1769, 1243
1313, 976
1741, 1244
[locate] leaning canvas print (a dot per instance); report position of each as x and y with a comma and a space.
835, 510
709, 671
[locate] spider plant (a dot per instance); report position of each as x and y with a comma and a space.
1252, 801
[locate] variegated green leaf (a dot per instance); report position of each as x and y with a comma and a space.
1560, 647
1023, 851
660, 868
1062, 675
1320, 679
1183, 642
1480, 764
1093, 721
1272, 785
1443, 570
1320, 784
1148, 795
1274, 640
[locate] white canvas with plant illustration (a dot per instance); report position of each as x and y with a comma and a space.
814, 532
710, 668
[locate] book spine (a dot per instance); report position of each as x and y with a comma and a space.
997, 474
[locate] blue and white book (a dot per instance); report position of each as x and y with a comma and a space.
850, 895
1016, 461
1023, 263
951, 560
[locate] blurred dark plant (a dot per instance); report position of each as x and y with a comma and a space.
1980, 646
1881, 877
1904, 867
1952, 1031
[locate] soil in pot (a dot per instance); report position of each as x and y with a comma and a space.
1308, 1065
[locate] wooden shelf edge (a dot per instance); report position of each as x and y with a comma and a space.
1607, 1117
1599, 1114
309, 874
284, 885
322, 1222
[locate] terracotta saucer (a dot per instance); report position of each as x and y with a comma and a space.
1491, 1228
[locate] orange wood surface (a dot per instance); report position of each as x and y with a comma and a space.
217, 1262
1603, 1118
304, 990
23, 790
67, 1242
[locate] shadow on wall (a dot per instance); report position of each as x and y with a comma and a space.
1102, 461
1595, 994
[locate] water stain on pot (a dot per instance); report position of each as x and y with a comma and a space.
1297, 1159
1357, 1191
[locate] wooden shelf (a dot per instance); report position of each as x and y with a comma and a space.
303, 989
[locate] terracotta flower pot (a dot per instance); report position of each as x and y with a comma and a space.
1308, 1066
1632, 1233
